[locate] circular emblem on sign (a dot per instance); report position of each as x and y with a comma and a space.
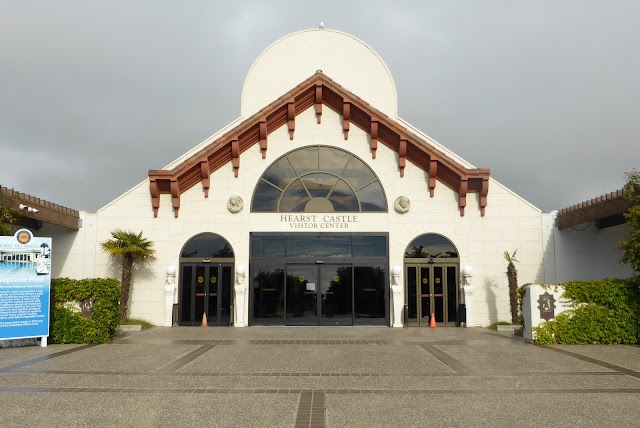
213, 279
23, 236
437, 280
336, 278
425, 281
301, 278
200, 280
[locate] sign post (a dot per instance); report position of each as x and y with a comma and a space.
25, 285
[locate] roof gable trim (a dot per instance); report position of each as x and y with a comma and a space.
318, 91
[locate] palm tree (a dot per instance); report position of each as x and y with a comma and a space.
512, 277
132, 247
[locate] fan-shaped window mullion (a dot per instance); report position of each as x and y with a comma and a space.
335, 163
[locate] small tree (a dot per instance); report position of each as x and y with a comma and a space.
631, 246
512, 277
8, 217
132, 247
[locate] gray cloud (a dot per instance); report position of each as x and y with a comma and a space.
95, 93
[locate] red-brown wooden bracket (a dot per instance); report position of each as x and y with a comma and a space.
235, 155
291, 118
462, 193
155, 195
483, 194
402, 155
318, 101
263, 138
204, 173
433, 171
374, 137
346, 118
175, 196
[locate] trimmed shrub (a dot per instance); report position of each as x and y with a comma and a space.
606, 312
84, 311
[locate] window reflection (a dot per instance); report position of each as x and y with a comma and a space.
207, 245
431, 246
319, 172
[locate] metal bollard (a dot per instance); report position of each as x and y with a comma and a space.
405, 316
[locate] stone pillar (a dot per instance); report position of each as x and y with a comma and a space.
398, 301
240, 289
169, 290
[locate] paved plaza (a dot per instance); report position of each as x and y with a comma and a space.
320, 377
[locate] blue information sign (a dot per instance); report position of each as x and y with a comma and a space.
25, 284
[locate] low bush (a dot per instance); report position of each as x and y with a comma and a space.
606, 312
84, 311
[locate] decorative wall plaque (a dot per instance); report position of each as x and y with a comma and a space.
402, 204
547, 306
235, 204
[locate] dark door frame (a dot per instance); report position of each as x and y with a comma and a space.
221, 319
432, 296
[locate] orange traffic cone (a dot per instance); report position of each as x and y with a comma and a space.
432, 323
204, 320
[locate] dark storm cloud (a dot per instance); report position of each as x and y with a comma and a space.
95, 93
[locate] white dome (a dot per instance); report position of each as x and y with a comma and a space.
297, 56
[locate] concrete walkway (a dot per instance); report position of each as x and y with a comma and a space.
320, 377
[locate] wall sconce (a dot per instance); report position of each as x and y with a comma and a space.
28, 208
395, 272
240, 271
171, 274
466, 273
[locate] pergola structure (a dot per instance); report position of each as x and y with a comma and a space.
35, 211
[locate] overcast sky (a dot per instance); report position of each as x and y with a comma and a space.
93, 94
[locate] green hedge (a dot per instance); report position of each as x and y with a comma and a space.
607, 312
70, 326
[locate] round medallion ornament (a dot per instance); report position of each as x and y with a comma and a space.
23, 236
200, 280
213, 280
425, 281
336, 278
402, 204
235, 204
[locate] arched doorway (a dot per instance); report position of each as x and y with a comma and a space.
206, 279
431, 267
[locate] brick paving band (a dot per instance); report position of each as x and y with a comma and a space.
27, 363
479, 391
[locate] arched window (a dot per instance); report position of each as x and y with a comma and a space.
431, 246
319, 179
207, 246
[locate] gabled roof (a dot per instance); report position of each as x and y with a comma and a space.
318, 91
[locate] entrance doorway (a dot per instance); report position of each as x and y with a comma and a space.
432, 289
431, 272
206, 289
206, 278
319, 294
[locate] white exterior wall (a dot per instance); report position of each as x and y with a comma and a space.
73, 252
583, 252
510, 223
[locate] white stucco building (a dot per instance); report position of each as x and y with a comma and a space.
317, 206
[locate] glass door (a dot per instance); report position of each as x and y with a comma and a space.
205, 289
431, 289
334, 298
319, 295
302, 291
